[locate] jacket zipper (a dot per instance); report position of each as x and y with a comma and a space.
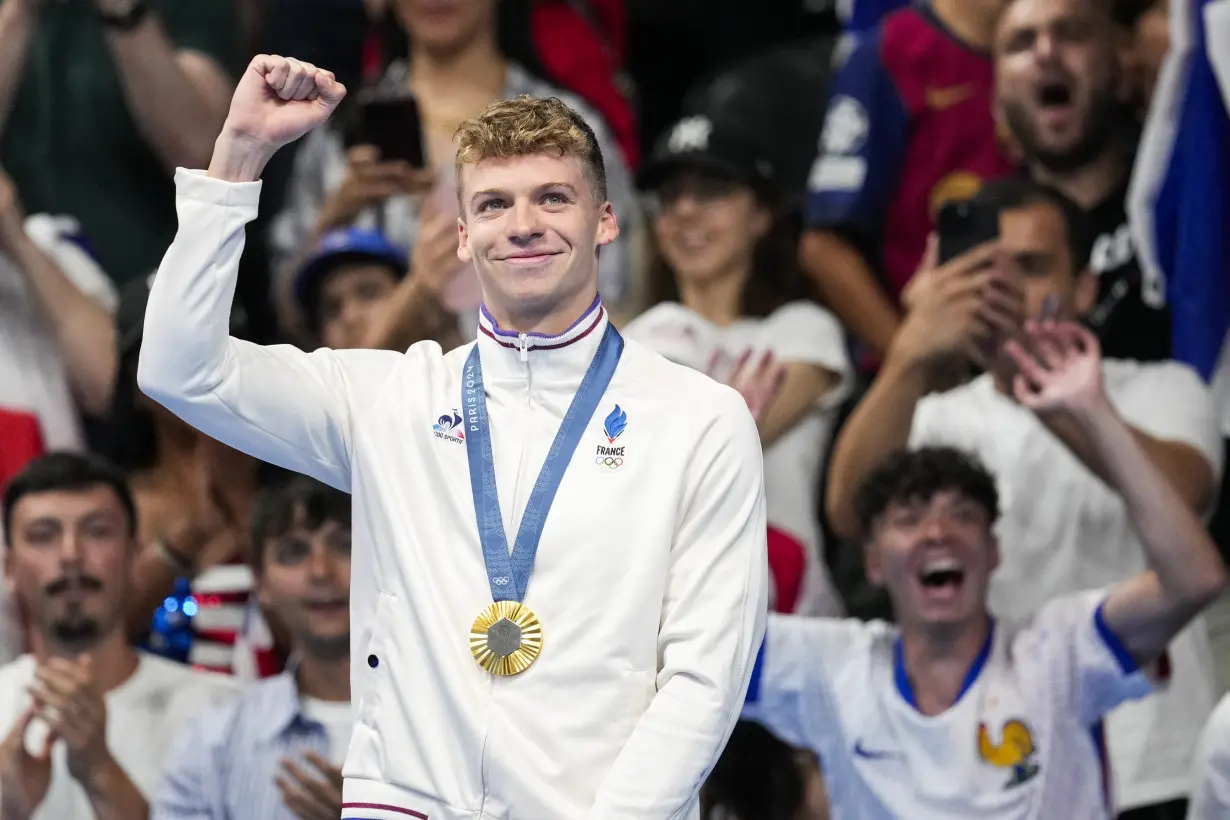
523, 350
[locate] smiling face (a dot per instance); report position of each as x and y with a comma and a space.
305, 580
531, 189
532, 225
352, 298
935, 556
707, 227
1057, 79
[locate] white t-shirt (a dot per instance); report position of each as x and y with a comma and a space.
1020, 743
1210, 799
338, 719
1063, 530
801, 332
143, 715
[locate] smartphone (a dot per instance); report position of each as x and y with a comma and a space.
964, 225
393, 125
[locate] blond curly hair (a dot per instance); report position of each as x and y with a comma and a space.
530, 125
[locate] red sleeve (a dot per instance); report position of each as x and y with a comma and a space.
787, 563
21, 440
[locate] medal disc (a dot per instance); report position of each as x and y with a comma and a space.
506, 638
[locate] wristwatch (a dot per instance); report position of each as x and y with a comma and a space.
123, 15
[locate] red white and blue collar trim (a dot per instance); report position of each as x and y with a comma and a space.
589, 321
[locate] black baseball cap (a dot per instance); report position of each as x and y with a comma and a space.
709, 144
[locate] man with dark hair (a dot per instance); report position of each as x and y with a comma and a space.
1065, 520
951, 712
275, 752
1060, 89
70, 525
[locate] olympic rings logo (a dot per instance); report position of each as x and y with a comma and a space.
501, 580
610, 462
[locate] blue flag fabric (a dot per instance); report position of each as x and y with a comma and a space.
1179, 203
858, 16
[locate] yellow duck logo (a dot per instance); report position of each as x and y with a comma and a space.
1015, 751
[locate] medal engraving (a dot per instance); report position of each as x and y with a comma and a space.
504, 637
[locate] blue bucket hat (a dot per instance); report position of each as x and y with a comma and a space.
339, 247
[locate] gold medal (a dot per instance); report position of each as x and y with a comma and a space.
506, 638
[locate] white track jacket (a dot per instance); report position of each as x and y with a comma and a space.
650, 579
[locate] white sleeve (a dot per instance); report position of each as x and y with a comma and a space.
1087, 666
792, 692
1210, 798
276, 403
1171, 402
712, 622
931, 426
806, 333
60, 238
675, 333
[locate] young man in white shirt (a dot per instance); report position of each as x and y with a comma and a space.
275, 752
86, 720
651, 583
952, 713
1065, 526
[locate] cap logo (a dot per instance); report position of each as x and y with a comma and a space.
690, 134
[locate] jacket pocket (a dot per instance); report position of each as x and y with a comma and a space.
377, 660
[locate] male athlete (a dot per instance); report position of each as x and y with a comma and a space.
950, 714
523, 646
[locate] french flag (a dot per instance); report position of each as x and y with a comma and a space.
1179, 202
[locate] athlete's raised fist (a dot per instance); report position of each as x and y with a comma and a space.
278, 100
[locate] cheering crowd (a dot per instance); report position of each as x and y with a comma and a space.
954, 255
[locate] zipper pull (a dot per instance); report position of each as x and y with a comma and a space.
523, 344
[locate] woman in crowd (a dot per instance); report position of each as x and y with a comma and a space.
727, 297
455, 68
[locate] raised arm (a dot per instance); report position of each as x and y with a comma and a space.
712, 622
176, 96
276, 403
84, 330
18, 19
1063, 372
953, 309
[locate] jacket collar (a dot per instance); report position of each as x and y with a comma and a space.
507, 354
279, 703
